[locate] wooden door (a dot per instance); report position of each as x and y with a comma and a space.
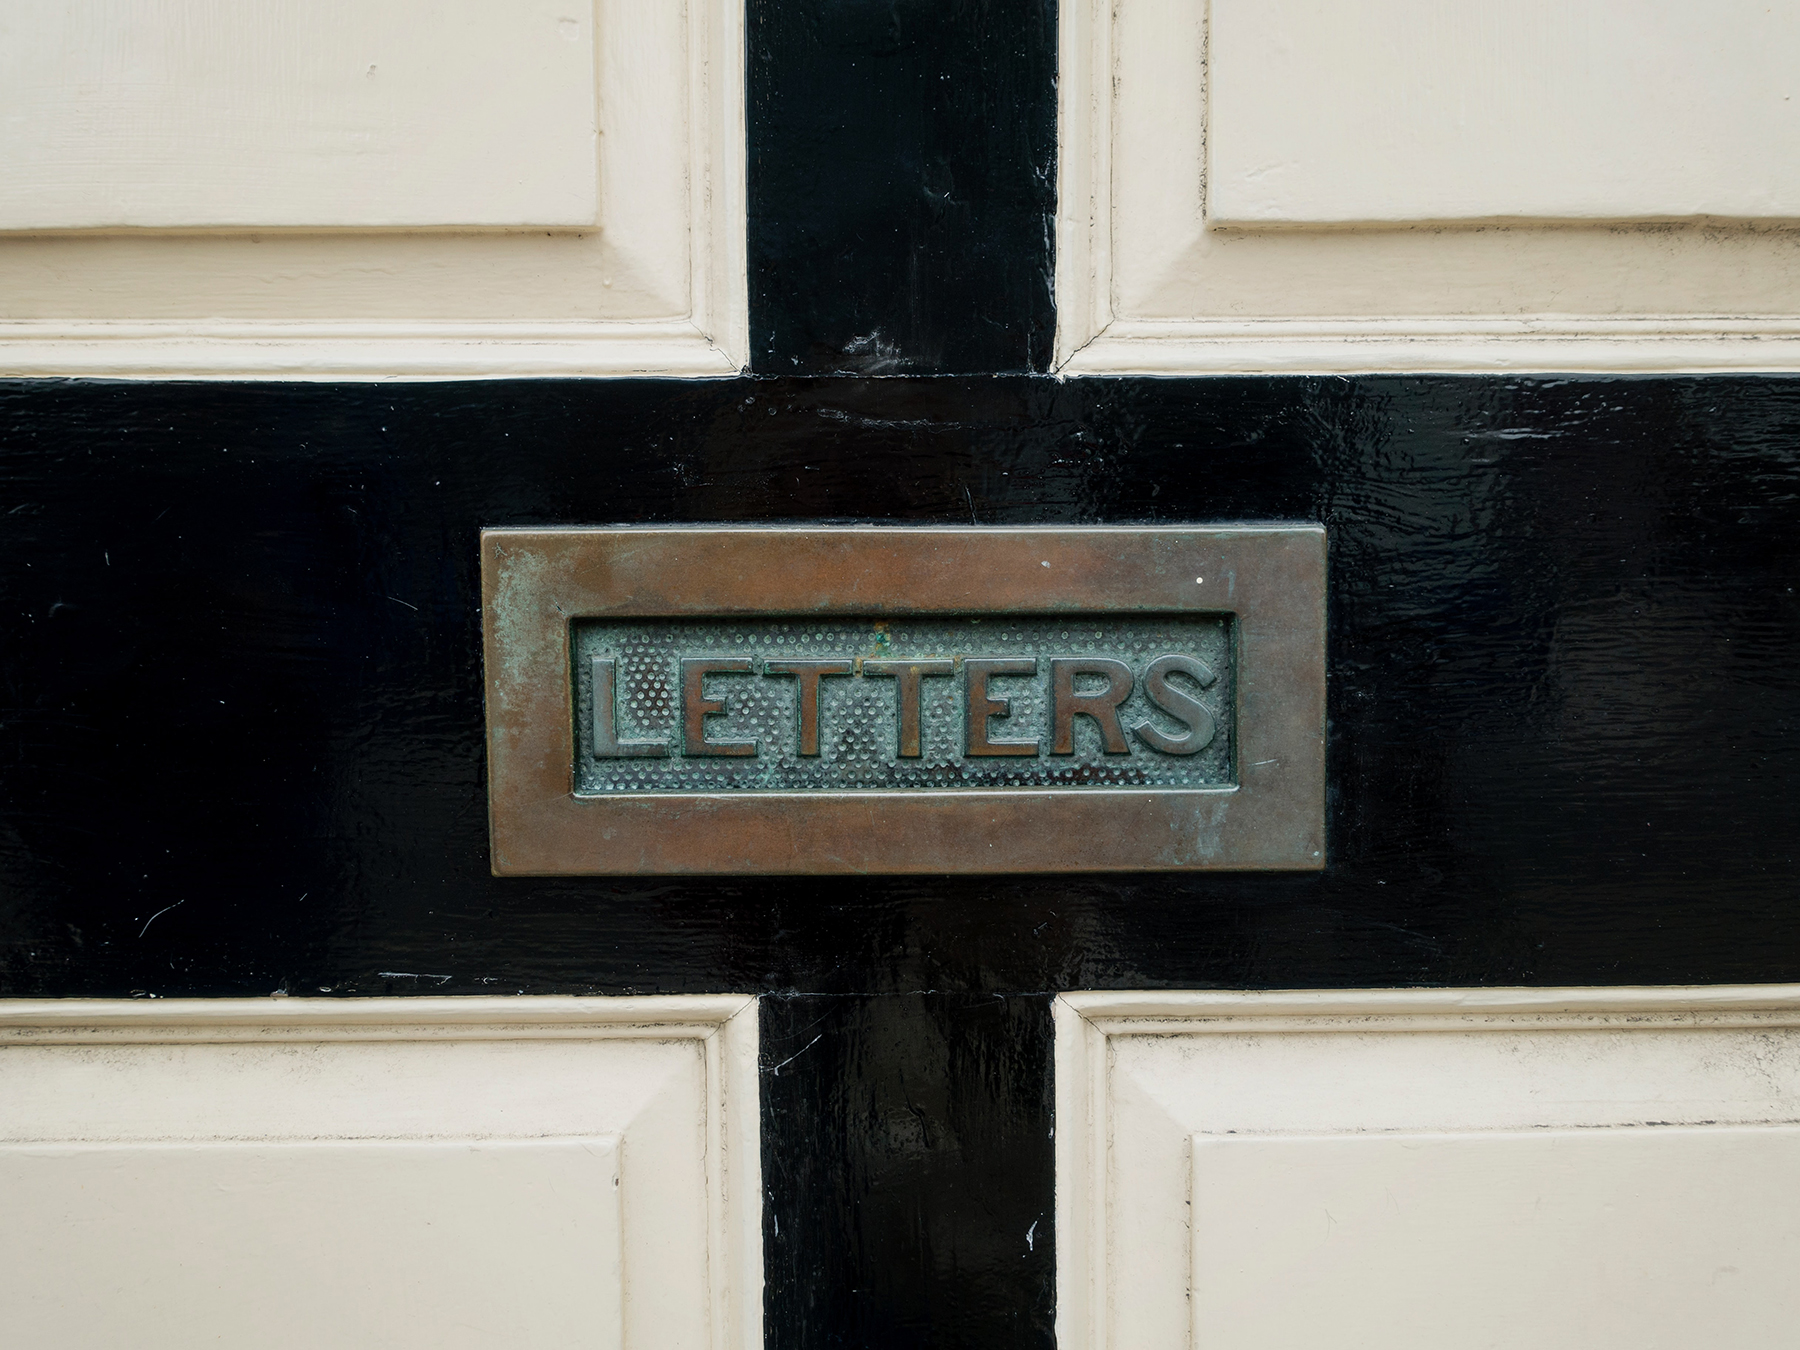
242, 721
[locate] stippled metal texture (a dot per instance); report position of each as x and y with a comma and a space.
859, 738
708, 699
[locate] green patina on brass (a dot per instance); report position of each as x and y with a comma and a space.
1145, 702
852, 700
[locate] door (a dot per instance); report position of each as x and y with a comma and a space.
244, 464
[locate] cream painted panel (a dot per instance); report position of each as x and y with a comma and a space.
358, 114
1146, 283
1548, 1239
1139, 1076
341, 1242
656, 284
296, 1155
1417, 110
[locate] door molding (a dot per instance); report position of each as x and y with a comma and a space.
1142, 1076
667, 1083
1147, 285
657, 285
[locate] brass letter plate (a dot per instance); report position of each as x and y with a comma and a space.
870, 700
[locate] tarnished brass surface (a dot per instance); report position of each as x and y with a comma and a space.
816, 705
863, 699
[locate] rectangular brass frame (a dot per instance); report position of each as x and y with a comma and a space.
1270, 577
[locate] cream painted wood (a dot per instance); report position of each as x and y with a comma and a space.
1548, 1239
1415, 110
657, 287
1592, 1167
321, 1242
340, 114
381, 1172
1147, 283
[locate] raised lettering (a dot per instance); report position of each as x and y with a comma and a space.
808, 673
1101, 705
696, 707
1179, 704
979, 705
910, 674
607, 744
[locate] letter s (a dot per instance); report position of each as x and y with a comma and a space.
1179, 704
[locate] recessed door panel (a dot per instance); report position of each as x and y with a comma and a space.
160, 114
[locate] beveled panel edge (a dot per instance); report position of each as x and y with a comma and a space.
1184, 1012
1084, 1022
1093, 339
709, 340
373, 350
44, 1021
724, 1027
1471, 345
539, 828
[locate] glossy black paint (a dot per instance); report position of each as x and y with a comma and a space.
907, 1155
242, 668
902, 183
240, 734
